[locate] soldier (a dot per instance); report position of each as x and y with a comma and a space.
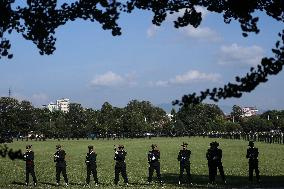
214, 157
252, 155
91, 163
154, 163
29, 158
218, 159
211, 164
120, 165
59, 158
184, 159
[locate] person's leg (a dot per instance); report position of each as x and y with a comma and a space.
88, 175
151, 171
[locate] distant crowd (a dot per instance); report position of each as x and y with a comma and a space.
268, 137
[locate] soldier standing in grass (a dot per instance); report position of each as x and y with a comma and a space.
154, 163
184, 159
218, 159
59, 158
214, 157
120, 165
211, 164
91, 162
252, 155
29, 158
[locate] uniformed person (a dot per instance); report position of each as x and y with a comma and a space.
214, 157
154, 163
29, 158
252, 155
59, 158
218, 159
120, 165
211, 164
184, 159
91, 162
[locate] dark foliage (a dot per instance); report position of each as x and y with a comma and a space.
38, 20
5, 151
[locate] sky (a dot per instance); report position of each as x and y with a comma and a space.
157, 64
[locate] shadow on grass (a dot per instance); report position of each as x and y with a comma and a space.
201, 181
48, 183
18, 183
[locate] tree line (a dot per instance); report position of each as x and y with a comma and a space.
136, 119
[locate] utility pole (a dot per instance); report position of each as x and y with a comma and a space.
10, 92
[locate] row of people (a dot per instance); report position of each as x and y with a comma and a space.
213, 155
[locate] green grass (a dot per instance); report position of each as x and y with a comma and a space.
271, 158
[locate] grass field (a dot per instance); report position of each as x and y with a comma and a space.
271, 158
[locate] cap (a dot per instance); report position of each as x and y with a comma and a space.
58, 146
184, 144
91, 147
251, 143
120, 146
28, 146
215, 143
154, 145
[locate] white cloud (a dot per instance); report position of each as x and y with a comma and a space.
180, 13
152, 31
201, 33
111, 79
235, 54
192, 76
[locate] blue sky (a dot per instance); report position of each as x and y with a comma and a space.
159, 64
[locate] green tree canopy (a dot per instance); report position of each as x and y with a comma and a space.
37, 21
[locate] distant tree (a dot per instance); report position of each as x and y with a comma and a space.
37, 21
92, 125
256, 124
26, 117
57, 125
135, 120
42, 122
76, 120
236, 113
232, 126
200, 118
9, 109
275, 117
106, 118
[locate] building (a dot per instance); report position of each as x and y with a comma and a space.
61, 104
52, 107
249, 111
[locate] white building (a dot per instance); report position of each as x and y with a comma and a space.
61, 104
249, 111
52, 107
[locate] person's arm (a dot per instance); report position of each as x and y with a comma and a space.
247, 156
158, 154
179, 156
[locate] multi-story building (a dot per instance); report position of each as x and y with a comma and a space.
61, 104
249, 111
52, 107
